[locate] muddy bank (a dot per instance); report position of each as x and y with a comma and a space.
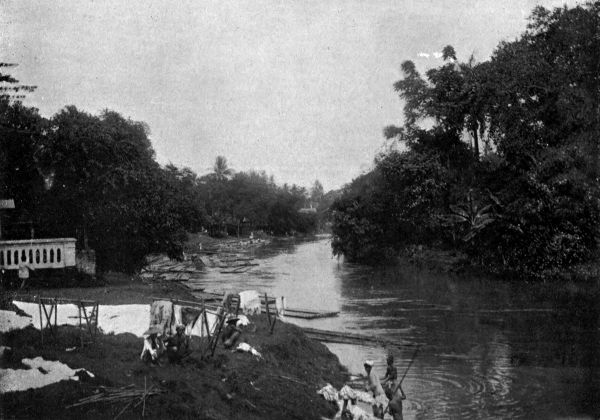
112, 289
229, 386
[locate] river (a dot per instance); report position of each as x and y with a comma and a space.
487, 348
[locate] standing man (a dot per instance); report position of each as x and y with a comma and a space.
24, 268
395, 405
391, 377
374, 386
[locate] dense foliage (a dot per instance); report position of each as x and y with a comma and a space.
508, 171
95, 177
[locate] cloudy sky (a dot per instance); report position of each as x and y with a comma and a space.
300, 89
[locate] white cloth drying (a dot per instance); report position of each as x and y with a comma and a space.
250, 302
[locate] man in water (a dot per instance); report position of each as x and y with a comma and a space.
395, 405
374, 386
390, 378
393, 389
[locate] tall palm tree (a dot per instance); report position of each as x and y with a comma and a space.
221, 171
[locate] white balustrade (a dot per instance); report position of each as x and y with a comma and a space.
39, 253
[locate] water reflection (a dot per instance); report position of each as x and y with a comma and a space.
489, 349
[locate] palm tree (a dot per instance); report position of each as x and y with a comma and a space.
221, 171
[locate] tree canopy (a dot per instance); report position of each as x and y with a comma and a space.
507, 171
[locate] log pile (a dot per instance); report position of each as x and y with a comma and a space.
162, 267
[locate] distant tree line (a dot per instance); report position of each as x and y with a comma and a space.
252, 200
95, 177
507, 170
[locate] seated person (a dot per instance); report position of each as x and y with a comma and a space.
177, 345
231, 333
153, 346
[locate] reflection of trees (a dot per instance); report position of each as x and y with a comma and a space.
577, 331
519, 341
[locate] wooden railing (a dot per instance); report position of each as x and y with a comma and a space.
39, 253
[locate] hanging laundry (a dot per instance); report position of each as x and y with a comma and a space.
280, 305
176, 321
189, 317
161, 314
250, 302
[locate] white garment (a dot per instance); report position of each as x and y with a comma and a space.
176, 318
245, 347
154, 352
243, 321
250, 302
280, 305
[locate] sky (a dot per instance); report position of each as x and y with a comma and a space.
299, 89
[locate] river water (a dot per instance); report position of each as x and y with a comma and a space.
487, 348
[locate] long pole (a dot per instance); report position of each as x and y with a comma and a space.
414, 356
409, 365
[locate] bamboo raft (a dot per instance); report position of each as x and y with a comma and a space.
349, 338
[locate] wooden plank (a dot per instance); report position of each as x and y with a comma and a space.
349, 338
304, 314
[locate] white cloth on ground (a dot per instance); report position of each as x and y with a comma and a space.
112, 319
245, 347
250, 302
329, 393
9, 320
360, 414
115, 319
347, 393
23, 379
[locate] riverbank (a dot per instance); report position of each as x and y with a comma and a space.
282, 384
453, 261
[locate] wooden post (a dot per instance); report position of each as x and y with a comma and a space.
55, 306
41, 320
217, 334
80, 329
267, 308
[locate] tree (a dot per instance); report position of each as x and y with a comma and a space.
536, 106
221, 171
10, 88
453, 96
317, 192
21, 133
